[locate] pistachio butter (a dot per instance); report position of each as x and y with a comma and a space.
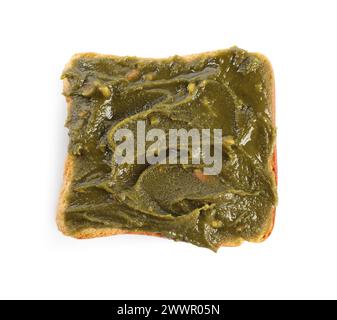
231, 90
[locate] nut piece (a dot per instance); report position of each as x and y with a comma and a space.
133, 75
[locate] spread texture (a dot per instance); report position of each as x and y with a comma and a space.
231, 90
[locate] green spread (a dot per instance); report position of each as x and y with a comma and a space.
228, 89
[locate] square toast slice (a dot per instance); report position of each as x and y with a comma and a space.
232, 90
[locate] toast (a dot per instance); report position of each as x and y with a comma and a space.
102, 231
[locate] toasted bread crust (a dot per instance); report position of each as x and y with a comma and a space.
89, 233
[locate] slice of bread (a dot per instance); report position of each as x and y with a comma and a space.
103, 232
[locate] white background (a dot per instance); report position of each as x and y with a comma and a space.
38, 38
